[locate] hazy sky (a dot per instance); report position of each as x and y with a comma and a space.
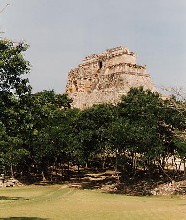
61, 32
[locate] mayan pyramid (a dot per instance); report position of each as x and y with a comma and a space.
103, 78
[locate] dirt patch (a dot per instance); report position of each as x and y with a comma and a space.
139, 185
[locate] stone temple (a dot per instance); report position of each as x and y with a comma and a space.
105, 77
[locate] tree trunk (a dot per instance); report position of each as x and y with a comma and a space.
11, 170
103, 164
86, 165
134, 163
43, 176
116, 164
68, 170
62, 170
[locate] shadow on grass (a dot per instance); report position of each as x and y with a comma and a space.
97, 183
23, 218
140, 184
93, 180
12, 198
110, 184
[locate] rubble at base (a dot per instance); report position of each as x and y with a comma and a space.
10, 182
168, 189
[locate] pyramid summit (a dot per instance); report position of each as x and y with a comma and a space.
105, 77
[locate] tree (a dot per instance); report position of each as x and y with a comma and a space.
14, 95
12, 68
146, 126
179, 102
91, 130
51, 131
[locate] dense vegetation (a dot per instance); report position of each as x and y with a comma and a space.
41, 134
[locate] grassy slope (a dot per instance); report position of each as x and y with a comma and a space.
56, 202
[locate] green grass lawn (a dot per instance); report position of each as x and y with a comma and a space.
57, 202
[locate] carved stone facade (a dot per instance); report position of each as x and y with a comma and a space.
103, 78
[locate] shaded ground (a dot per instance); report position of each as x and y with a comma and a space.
11, 198
140, 183
23, 218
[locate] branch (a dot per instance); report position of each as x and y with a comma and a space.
2, 10
178, 92
165, 172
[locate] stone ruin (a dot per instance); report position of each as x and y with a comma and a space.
105, 77
9, 181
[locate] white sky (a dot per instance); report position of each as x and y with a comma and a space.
61, 32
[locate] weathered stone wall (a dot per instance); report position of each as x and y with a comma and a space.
103, 78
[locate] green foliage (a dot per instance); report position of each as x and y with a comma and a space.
145, 125
50, 134
12, 67
91, 130
41, 130
14, 100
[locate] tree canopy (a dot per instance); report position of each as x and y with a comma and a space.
40, 131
